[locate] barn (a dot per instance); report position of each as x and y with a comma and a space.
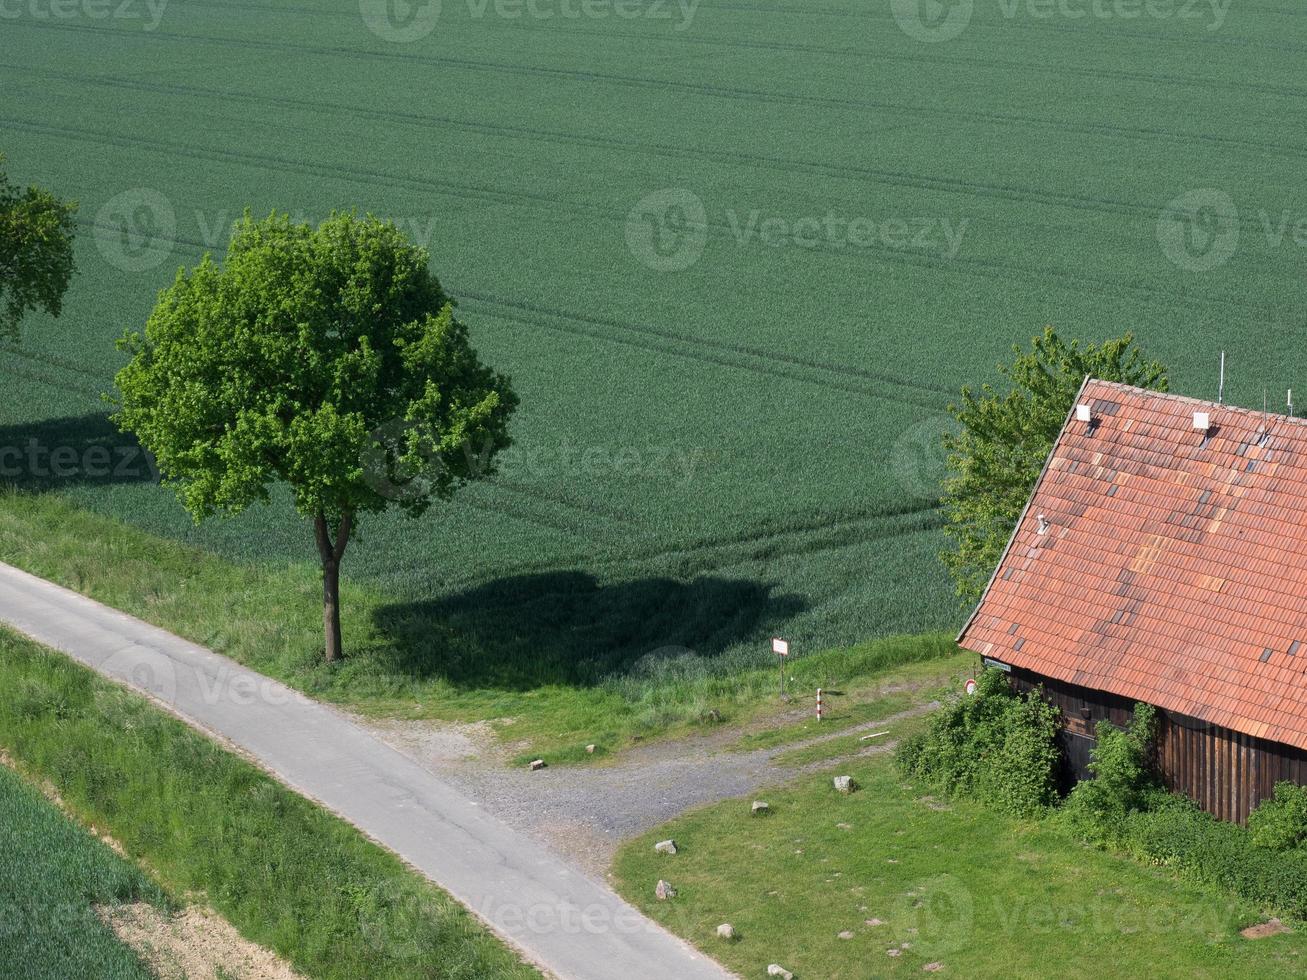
1162, 558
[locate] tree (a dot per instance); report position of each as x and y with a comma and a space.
326, 359
36, 252
996, 457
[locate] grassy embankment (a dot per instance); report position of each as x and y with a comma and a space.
955, 884
288, 875
268, 617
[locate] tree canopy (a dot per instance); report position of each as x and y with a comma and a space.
326, 359
36, 252
996, 457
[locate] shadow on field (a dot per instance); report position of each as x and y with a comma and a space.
566, 628
64, 452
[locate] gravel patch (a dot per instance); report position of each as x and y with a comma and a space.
584, 813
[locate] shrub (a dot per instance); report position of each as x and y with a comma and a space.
995, 745
1123, 779
1174, 832
1280, 823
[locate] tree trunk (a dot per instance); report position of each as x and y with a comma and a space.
331, 548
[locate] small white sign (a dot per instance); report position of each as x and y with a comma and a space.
780, 646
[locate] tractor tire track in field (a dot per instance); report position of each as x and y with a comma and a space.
738, 349
50, 359
882, 55
892, 178
1098, 33
959, 265
755, 544
752, 160
27, 375
601, 329
721, 91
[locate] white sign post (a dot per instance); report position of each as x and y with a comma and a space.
782, 650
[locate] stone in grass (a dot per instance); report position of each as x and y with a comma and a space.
776, 970
590, 750
665, 847
726, 931
759, 808
845, 784
875, 922
893, 952
537, 764
664, 890
846, 934
932, 968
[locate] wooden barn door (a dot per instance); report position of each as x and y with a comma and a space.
1075, 751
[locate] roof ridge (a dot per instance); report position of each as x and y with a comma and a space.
1190, 399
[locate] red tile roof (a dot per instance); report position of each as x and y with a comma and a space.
1174, 567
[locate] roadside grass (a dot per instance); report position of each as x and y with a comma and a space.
892, 683
268, 617
53, 874
955, 885
287, 874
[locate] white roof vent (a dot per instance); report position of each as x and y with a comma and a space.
1043, 524
1084, 413
1202, 421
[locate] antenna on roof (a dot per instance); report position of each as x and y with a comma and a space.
1289, 399
1220, 390
1263, 399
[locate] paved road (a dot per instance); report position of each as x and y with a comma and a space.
563, 921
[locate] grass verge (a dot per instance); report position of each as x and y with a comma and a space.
914, 883
411, 665
284, 872
52, 876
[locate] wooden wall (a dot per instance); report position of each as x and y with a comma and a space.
1225, 772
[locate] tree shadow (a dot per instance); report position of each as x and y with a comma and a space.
567, 628
63, 452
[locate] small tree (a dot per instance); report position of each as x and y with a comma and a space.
994, 461
36, 252
327, 359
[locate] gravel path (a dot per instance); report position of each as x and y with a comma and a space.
585, 812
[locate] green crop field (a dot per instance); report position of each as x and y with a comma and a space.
737, 256
53, 874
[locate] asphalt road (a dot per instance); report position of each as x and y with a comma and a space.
559, 918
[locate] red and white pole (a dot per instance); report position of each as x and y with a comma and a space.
819, 704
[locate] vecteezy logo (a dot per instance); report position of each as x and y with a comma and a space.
932, 20
400, 21
1199, 231
134, 230
145, 669
399, 461
919, 459
939, 915
668, 229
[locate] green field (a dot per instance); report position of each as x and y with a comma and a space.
709, 455
53, 874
